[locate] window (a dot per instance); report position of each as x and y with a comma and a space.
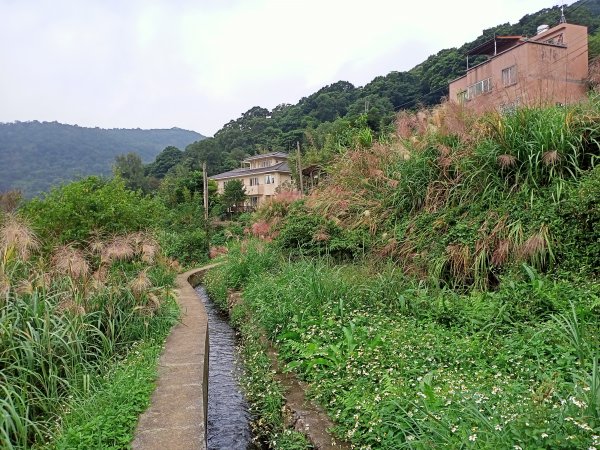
253, 201
461, 97
269, 179
265, 163
481, 87
509, 76
253, 181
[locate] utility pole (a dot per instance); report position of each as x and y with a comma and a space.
299, 166
205, 185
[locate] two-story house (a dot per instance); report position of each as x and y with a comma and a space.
549, 68
261, 175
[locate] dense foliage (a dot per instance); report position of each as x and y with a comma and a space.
68, 312
35, 156
91, 207
94, 207
452, 298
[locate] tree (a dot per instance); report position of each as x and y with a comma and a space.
181, 185
165, 161
130, 168
234, 193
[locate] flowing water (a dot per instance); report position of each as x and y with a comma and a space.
228, 418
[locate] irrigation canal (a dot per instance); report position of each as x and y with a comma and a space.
228, 418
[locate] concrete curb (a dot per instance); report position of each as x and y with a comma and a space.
176, 418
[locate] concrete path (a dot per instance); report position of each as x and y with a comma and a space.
176, 418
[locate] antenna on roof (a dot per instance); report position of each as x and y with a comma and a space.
563, 19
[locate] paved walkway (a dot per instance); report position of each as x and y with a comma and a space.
176, 418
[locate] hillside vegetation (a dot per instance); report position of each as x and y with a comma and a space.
86, 301
35, 156
440, 288
323, 121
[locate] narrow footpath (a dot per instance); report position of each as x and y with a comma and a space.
176, 418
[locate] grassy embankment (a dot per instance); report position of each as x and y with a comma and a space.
85, 305
440, 289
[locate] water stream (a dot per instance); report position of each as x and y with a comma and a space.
228, 418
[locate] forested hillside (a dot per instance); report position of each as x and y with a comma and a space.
37, 155
323, 119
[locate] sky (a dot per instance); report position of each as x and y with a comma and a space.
197, 64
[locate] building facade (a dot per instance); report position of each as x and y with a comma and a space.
549, 68
261, 175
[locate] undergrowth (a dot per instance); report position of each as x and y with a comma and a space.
398, 364
451, 299
105, 414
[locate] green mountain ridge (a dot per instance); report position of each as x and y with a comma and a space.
34, 156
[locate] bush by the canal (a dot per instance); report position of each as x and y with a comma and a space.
71, 310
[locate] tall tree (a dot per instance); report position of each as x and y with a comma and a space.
166, 160
234, 193
130, 168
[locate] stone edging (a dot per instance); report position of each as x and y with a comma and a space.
176, 418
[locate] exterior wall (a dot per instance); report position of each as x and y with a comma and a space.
545, 73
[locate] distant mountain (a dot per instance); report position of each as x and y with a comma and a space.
35, 156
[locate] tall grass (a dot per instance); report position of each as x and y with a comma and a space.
460, 199
60, 326
473, 321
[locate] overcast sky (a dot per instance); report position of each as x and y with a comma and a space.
197, 64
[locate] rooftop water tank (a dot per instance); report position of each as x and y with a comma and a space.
542, 28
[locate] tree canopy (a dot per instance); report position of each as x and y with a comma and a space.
234, 193
35, 156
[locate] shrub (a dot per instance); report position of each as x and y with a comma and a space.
80, 210
306, 233
183, 234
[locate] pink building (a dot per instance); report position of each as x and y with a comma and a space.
549, 68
